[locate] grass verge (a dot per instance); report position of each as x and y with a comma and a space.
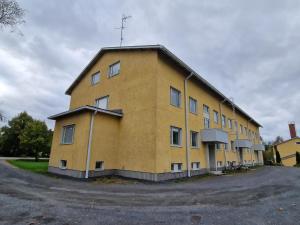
31, 165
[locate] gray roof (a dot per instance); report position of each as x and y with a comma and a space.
117, 113
169, 54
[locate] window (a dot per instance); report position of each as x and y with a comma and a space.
175, 136
176, 167
68, 134
245, 128
218, 146
175, 97
219, 164
195, 165
230, 124
236, 126
193, 105
216, 117
95, 78
194, 139
225, 146
99, 165
206, 116
114, 69
223, 121
102, 102
63, 164
298, 143
241, 126
232, 145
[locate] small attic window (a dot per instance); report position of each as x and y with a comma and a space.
95, 78
114, 69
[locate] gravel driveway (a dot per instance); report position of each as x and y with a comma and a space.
269, 195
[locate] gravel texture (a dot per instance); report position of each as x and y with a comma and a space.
268, 195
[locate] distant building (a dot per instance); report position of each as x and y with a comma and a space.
141, 112
288, 149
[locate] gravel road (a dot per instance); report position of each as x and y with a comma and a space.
268, 195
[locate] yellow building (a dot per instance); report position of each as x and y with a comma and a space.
132, 110
288, 149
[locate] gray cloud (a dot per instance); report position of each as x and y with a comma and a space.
248, 50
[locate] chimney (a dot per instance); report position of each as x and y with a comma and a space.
292, 127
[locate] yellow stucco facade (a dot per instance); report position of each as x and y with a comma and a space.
138, 143
287, 151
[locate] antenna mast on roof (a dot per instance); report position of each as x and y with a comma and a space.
124, 18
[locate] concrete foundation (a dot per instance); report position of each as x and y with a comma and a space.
126, 173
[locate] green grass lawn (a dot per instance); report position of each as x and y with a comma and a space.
37, 167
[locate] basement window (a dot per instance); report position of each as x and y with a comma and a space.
114, 69
176, 167
68, 134
63, 164
298, 143
195, 165
99, 165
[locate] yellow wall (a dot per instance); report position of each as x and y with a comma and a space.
66, 151
288, 148
140, 141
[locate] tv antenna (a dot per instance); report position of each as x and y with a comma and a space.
124, 18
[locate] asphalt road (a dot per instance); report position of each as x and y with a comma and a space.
269, 195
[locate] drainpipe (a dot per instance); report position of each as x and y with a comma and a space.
89, 145
252, 148
221, 113
187, 141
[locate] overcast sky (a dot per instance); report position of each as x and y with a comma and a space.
249, 50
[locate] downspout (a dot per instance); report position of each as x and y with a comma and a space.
187, 141
88, 158
221, 114
252, 148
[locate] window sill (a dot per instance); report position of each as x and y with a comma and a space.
194, 113
113, 75
176, 171
66, 143
196, 169
99, 169
195, 148
176, 146
63, 168
178, 107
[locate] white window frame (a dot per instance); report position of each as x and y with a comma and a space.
95, 81
173, 128
195, 165
177, 167
111, 73
179, 97
206, 116
102, 98
102, 166
230, 123
216, 117
61, 164
191, 139
192, 100
63, 134
223, 121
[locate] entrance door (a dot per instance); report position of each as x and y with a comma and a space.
212, 157
241, 155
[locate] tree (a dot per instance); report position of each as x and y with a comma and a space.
10, 135
297, 158
11, 14
278, 140
278, 157
36, 139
